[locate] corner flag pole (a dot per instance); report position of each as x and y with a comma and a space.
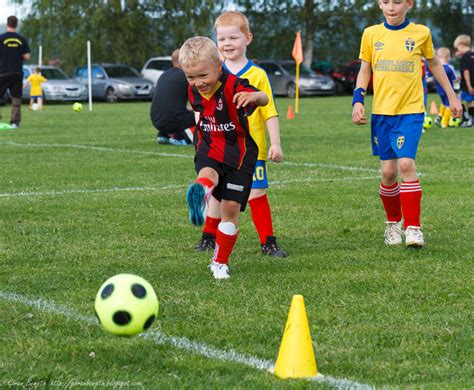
89, 74
297, 54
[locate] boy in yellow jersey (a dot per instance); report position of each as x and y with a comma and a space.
233, 37
36, 92
392, 51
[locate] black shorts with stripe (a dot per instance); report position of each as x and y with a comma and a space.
234, 184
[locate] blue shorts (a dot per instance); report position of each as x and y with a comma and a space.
444, 100
467, 97
36, 96
260, 178
396, 136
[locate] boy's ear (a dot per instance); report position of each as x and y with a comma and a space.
410, 3
249, 38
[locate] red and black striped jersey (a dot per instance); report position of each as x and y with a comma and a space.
223, 131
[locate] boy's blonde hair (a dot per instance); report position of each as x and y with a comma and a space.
462, 40
443, 52
198, 49
233, 18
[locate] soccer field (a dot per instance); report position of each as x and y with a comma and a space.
85, 196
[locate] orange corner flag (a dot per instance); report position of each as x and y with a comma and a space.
433, 108
290, 114
297, 52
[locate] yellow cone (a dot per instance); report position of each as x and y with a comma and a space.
296, 356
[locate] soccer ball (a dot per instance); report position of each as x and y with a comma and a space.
454, 122
77, 107
427, 122
126, 305
34, 106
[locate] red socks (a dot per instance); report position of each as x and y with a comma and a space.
210, 226
262, 217
224, 245
391, 202
410, 194
207, 183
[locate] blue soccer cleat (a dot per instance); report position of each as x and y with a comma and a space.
196, 197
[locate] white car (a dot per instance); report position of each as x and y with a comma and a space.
155, 66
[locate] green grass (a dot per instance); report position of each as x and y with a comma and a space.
379, 315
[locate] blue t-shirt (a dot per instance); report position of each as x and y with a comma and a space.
449, 69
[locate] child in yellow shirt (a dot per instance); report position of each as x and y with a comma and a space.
36, 93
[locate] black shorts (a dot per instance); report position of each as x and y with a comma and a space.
179, 122
12, 82
234, 184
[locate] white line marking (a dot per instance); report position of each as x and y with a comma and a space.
168, 187
105, 149
182, 343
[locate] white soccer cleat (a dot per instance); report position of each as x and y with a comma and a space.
219, 271
393, 233
414, 237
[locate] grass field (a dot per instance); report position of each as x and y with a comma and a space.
84, 196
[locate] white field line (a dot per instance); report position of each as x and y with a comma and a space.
104, 149
182, 343
164, 188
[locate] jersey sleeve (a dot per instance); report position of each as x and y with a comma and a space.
42, 79
464, 63
243, 85
365, 53
427, 48
268, 111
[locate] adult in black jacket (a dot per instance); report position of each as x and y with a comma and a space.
169, 113
13, 51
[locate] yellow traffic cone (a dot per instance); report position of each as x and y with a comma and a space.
296, 356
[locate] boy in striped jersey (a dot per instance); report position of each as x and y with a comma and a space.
392, 51
225, 151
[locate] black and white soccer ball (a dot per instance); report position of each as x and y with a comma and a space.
126, 305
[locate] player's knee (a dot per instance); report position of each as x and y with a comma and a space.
406, 166
389, 173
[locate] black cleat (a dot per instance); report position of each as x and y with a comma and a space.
207, 243
272, 249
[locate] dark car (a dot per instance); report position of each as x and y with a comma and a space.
282, 75
112, 82
345, 77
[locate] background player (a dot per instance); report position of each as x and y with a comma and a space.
462, 44
36, 92
233, 37
392, 51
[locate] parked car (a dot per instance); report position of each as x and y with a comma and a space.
154, 68
282, 75
59, 86
113, 82
345, 77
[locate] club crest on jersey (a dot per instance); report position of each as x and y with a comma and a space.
376, 141
410, 44
220, 104
378, 45
400, 141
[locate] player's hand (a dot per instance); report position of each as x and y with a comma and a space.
242, 99
471, 91
456, 107
275, 153
358, 114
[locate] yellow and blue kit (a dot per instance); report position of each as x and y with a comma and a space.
36, 80
258, 78
395, 54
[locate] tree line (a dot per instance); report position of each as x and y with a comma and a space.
131, 31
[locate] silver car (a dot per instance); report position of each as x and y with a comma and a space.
282, 75
58, 87
113, 82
